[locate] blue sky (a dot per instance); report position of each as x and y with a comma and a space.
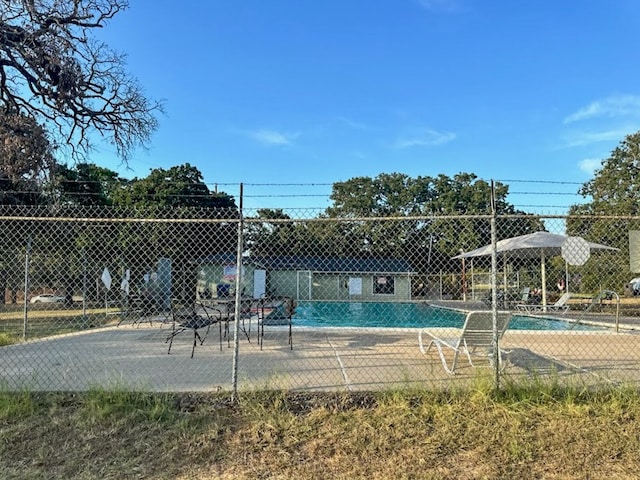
314, 92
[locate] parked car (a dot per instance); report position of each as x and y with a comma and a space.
47, 298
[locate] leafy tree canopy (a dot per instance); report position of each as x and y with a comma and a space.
418, 233
87, 184
26, 157
614, 191
615, 187
399, 194
180, 186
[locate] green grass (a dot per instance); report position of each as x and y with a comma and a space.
542, 430
45, 323
8, 339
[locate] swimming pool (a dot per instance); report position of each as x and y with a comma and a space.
402, 315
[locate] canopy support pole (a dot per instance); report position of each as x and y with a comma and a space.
543, 270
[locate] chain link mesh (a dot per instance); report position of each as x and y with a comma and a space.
156, 298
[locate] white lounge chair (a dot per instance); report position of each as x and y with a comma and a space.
476, 333
559, 307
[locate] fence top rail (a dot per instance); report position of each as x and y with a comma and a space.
246, 219
117, 220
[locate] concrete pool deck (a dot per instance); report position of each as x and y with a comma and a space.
322, 359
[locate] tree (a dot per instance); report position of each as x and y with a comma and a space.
274, 233
613, 192
387, 195
52, 68
615, 187
87, 184
26, 157
197, 225
179, 186
413, 199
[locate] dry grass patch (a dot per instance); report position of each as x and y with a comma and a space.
521, 432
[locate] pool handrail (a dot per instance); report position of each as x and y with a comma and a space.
603, 294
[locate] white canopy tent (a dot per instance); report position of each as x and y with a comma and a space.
543, 245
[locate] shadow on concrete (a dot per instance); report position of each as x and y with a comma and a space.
534, 363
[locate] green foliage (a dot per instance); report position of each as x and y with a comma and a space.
413, 229
614, 192
16, 404
26, 156
7, 339
615, 188
274, 234
87, 184
179, 186
121, 402
397, 194
64, 252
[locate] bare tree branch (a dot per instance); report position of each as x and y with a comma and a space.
52, 68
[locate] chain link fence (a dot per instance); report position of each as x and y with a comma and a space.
199, 299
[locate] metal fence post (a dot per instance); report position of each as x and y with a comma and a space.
26, 290
236, 330
494, 289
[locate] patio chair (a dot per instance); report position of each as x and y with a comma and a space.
265, 312
138, 309
476, 333
194, 317
272, 313
559, 307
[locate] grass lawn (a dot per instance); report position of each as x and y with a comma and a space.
45, 322
540, 431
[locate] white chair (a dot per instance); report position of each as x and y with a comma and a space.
559, 307
476, 333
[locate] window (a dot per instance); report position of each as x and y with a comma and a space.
383, 285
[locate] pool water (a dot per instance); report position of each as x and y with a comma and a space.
402, 315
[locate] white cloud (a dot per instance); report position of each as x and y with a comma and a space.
427, 137
353, 123
590, 165
272, 137
614, 106
580, 139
